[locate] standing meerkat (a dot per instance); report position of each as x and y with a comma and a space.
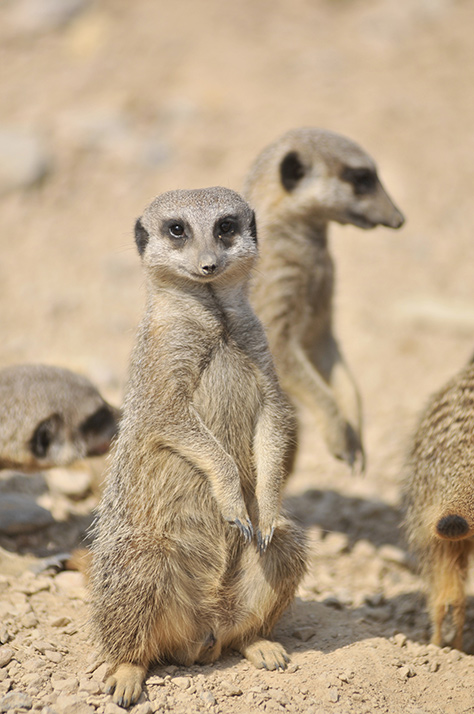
50, 416
297, 185
191, 554
439, 503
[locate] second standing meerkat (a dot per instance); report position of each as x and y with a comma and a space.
192, 555
297, 185
439, 503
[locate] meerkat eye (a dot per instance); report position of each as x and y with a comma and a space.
362, 180
226, 227
176, 230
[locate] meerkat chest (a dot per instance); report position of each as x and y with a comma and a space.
228, 395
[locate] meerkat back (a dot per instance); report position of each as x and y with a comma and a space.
297, 185
50, 416
439, 503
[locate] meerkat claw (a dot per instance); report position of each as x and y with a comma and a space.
264, 541
246, 530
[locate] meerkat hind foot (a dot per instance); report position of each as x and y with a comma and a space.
264, 654
126, 684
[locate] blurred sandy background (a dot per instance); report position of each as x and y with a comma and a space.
106, 103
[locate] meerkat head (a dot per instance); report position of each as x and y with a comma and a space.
51, 417
319, 176
197, 235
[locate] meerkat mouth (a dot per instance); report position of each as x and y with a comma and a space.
361, 221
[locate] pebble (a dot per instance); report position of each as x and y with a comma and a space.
334, 544
208, 698
24, 160
111, 708
230, 689
392, 554
73, 705
406, 672
66, 686
72, 483
182, 682
400, 639
304, 633
6, 654
15, 700
145, 708
19, 513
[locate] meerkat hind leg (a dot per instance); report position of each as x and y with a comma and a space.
448, 598
126, 684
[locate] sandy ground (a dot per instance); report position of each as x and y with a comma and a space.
130, 99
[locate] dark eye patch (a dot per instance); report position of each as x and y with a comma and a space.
362, 180
141, 237
225, 230
291, 171
44, 435
99, 421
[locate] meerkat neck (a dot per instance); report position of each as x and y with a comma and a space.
297, 227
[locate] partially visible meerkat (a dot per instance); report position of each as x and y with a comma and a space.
439, 503
191, 553
297, 185
50, 416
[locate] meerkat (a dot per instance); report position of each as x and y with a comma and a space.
192, 555
50, 416
438, 498
297, 185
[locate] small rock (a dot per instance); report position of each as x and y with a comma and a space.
405, 672
15, 700
292, 668
29, 621
4, 635
230, 689
182, 682
6, 653
61, 622
90, 686
145, 708
73, 705
333, 602
101, 672
208, 698
71, 584
55, 657
304, 633
111, 708
333, 694
400, 639
433, 666
65, 686
19, 513
334, 544
69, 482
156, 680
392, 554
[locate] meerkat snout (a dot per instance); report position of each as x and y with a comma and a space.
208, 264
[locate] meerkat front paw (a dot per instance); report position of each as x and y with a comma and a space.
245, 527
264, 537
264, 654
126, 684
344, 443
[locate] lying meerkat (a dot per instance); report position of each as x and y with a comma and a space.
297, 185
439, 503
191, 554
50, 416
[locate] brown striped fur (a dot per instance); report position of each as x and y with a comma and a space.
192, 555
297, 185
439, 502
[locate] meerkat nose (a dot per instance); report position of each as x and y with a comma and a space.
208, 268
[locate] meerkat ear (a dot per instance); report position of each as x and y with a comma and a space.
141, 236
44, 435
291, 171
253, 227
